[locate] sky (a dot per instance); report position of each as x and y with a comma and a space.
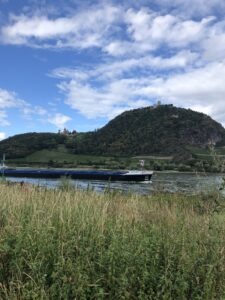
77, 64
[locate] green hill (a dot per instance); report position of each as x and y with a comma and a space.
162, 131
25, 144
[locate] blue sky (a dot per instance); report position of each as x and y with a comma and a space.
78, 64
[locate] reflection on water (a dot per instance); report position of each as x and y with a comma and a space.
167, 182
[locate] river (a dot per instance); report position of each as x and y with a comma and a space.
161, 181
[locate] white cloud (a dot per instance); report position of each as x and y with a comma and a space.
154, 30
4, 119
59, 120
113, 29
30, 111
110, 100
40, 110
190, 73
146, 55
25, 110
194, 8
115, 69
82, 30
116, 92
2, 136
194, 86
9, 99
117, 48
201, 89
213, 45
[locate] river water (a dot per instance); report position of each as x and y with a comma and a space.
161, 181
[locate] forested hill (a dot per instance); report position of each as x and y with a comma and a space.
164, 129
153, 130
22, 145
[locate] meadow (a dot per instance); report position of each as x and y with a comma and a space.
72, 244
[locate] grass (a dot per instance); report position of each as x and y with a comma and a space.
154, 157
59, 156
220, 152
62, 156
73, 244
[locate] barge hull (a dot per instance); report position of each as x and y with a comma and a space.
90, 175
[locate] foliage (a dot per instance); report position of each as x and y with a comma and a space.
182, 134
165, 130
82, 245
22, 145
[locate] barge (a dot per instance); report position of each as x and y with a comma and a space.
78, 174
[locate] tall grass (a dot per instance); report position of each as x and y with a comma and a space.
73, 244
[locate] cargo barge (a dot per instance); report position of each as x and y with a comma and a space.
78, 174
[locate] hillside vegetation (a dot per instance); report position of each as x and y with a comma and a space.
164, 135
25, 144
164, 130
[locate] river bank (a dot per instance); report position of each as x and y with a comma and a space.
68, 243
